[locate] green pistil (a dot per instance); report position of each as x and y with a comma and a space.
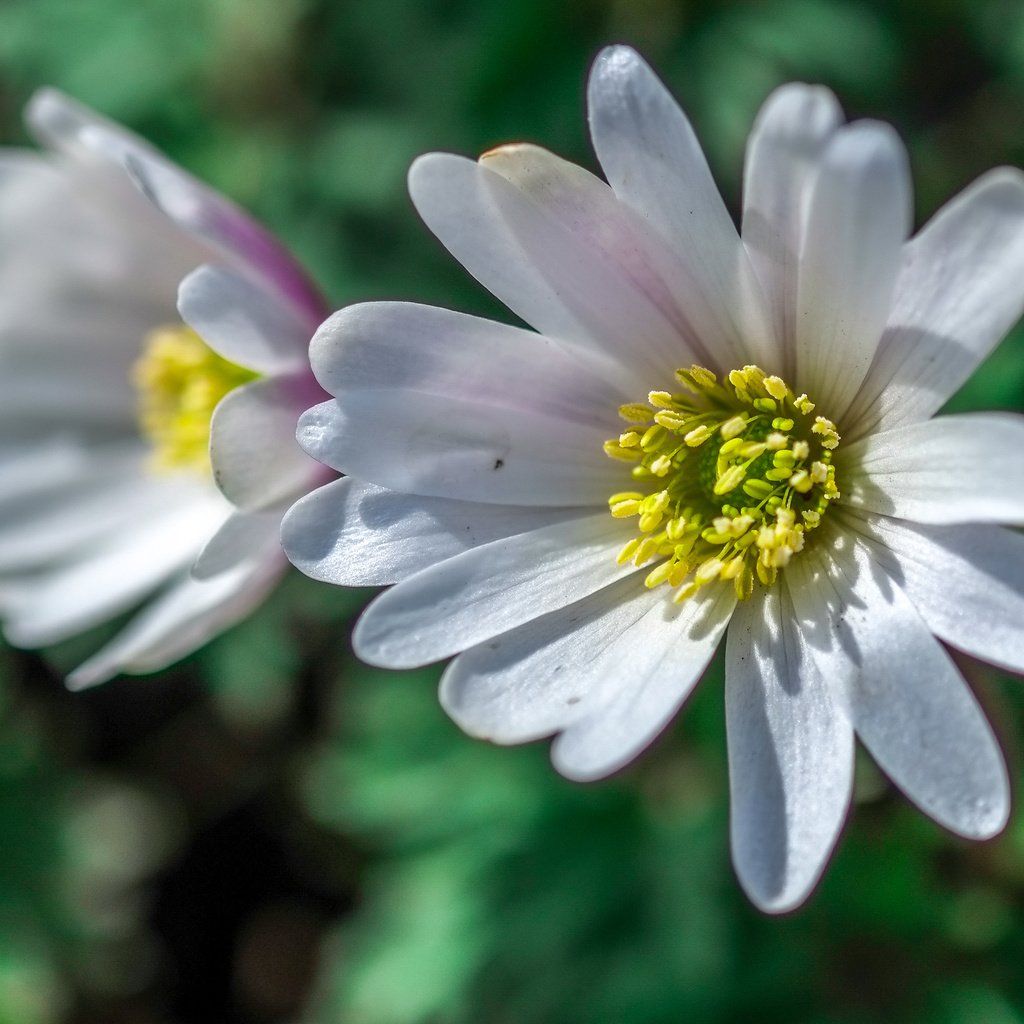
728, 478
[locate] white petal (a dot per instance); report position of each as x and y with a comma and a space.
783, 154
543, 270
910, 706
386, 345
953, 469
61, 522
488, 590
650, 672
179, 621
255, 457
46, 608
243, 321
611, 670
355, 534
857, 221
245, 536
967, 582
454, 448
957, 295
654, 163
790, 755
648, 292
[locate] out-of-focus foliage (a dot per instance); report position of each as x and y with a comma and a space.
272, 832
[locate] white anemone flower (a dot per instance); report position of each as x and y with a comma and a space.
710, 435
106, 396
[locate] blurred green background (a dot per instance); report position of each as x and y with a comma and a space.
270, 832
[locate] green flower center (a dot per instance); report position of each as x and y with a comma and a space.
728, 478
180, 380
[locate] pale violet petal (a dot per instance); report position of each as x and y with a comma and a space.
954, 469
356, 534
243, 321
387, 345
648, 673
488, 590
255, 458
454, 448
790, 755
909, 704
966, 581
655, 165
957, 295
783, 153
858, 218
180, 620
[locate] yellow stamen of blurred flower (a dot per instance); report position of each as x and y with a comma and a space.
180, 380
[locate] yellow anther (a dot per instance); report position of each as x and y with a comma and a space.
659, 574
801, 450
751, 449
803, 404
624, 509
774, 441
628, 551
661, 465
614, 450
630, 439
635, 412
730, 479
697, 436
757, 489
708, 571
661, 399
819, 472
765, 404
733, 427
782, 423
776, 387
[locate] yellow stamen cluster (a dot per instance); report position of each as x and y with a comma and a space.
180, 380
728, 478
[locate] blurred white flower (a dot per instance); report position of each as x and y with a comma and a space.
106, 442
835, 542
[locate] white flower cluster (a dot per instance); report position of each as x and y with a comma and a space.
709, 436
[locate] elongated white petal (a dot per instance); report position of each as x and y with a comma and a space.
654, 163
244, 537
547, 270
356, 534
910, 705
856, 223
957, 295
46, 608
648, 672
790, 755
60, 522
387, 345
544, 675
488, 590
244, 321
453, 448
671, 320
953, 469
183, 618
967, 582
255, 457
783, 155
